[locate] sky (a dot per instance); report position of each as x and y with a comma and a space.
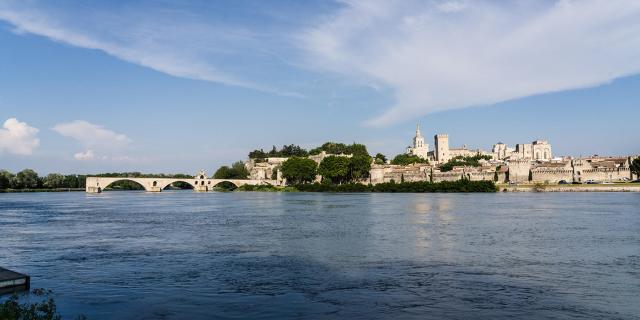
178, 86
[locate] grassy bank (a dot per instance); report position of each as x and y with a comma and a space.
419, 187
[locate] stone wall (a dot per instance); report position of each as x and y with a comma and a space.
551, 175
446, 176
602, 174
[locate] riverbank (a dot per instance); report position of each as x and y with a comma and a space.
462, 186
618, 187
42, 190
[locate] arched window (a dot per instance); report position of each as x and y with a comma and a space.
155, 183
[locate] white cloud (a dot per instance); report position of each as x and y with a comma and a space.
168, 41
443, 55
94, 138
86, 155
18, 137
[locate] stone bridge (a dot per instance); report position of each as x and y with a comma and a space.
200, 183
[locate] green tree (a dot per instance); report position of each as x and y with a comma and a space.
224, 172
341, 148
359, 167
6, 178
380, 158
26, 178
54, 180
257, 154
635, 167
472, 161
404, 159
335, 169
299, 170
240, 170
236, 171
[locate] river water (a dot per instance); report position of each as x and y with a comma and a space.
187, 255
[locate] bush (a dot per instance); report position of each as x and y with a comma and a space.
45, 309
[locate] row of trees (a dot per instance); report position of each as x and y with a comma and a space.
355, 149
29, 179
285, 152
473, 161
333, 169
292, 150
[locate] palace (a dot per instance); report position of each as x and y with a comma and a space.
537, 150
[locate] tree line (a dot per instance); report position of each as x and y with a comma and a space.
292, 150
29, 179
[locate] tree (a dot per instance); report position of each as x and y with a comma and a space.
380, 158
53, 180
236, 171
335, 169
404, 159
341, 148
26, 178
240, 170
635, 167
473, 161
257, 154
299, 170
5, 179
359, 167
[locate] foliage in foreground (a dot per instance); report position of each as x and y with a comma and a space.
418, 186
43, 309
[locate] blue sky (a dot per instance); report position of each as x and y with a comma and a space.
177, 86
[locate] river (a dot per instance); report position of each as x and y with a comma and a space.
188, 255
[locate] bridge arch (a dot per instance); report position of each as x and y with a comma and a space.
217, 182
114, 180
172, 181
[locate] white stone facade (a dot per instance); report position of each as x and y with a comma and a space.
419, 147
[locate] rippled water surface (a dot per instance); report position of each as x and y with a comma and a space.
187, 255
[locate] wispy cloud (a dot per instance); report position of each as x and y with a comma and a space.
173, 42
94, 139
18, 137
440, 55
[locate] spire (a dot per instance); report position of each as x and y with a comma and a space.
418, 134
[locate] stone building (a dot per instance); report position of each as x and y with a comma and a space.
537, 150
419, 148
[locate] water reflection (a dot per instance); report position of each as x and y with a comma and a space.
177, 255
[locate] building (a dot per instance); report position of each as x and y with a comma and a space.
419, 148
539, 150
